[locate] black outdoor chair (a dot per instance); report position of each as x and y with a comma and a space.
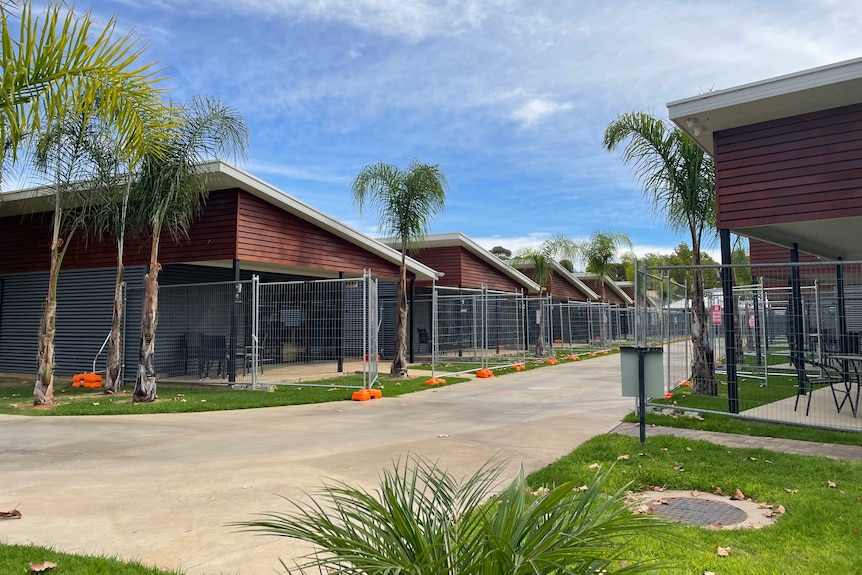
424, 339
213, 351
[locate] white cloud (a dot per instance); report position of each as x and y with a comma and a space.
537, 110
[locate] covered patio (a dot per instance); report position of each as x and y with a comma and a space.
788, 161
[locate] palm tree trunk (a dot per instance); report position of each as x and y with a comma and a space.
113, 368
602, 328
703, 358
145, 382
113, 376
43, 393
399, 363
540, 340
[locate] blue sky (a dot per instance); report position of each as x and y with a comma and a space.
510, 97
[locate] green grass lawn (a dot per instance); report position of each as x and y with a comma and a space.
16, 397
819, 534
720, 423
16, 559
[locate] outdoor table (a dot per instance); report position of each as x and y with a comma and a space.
855, 361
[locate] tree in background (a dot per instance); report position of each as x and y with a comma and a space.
406, 201
541, 261
683, 257
501, 252
169, 192
679, 180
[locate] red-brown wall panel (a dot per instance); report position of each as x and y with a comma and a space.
26, 241
610, 295
266, 233
446, 259
475, 272
807, 167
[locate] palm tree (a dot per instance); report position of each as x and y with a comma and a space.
541, 261
423, 520
65, 155
597, 253
59, 66
112, 183
60, 72
405, 201
679, 179
169, 193
600, 250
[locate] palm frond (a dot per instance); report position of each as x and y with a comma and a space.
423, 520
59, 66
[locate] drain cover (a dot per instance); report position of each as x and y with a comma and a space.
694, 511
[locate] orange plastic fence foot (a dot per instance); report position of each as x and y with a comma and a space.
434, 381
484, 373
551, 361
518, 367
361, 395
375, 393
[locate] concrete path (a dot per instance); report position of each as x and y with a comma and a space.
161, 488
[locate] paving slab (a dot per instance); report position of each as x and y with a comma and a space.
162, 488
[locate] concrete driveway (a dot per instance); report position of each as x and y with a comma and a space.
161, 488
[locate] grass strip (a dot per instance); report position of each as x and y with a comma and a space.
818, 534
712, 422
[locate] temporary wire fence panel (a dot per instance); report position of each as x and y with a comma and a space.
316, 330
586, 326
475, 328
539, 326
784, 348
201, 330
269, 333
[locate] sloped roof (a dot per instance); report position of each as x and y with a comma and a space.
812, 90
569, 277
460, 240
222, 175
608, 282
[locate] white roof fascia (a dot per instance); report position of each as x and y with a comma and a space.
257, 187
459, 239
831, 86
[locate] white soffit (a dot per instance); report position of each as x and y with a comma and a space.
812, 90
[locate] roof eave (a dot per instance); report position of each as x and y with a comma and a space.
825, 87
273, 195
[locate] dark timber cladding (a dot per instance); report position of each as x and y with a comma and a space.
611, 296
26, 242
801, 168
266, 233
464, 269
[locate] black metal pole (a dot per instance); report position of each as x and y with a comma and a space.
796, 309
843, 343
728, 319
340, 362
410, 316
